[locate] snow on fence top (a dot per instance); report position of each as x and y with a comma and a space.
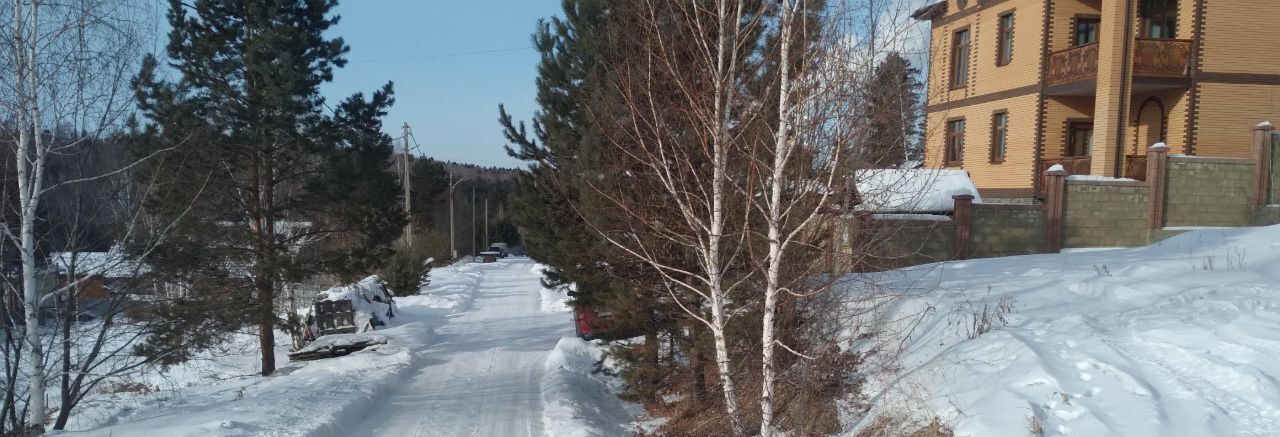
914, 190
1094, 178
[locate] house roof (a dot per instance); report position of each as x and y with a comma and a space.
922, 190
110, 264
931, 11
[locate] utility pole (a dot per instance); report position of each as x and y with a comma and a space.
486, 241
473, 220
453, 245
408, 225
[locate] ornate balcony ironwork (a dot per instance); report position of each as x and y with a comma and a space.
1074, 165
1073, 64
1161, 57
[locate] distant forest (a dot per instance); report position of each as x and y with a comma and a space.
473, 187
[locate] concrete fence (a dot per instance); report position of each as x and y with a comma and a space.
1180, 193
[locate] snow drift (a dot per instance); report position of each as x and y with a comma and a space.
1173, 339
578, 401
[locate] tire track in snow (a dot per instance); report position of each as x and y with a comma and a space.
483, 378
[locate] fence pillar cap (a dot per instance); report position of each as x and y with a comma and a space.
1158, 147
962, 197
1266, 125
1056, 170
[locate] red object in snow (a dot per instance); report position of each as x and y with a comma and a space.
587, 322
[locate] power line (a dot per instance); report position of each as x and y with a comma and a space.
444, 55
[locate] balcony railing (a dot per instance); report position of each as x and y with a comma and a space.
1073, 64
1074, 165
1161, 57
1135, 167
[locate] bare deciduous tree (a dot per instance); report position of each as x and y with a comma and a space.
65, 64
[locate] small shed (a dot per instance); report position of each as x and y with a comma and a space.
921, 190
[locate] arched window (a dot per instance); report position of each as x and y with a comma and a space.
1159, 18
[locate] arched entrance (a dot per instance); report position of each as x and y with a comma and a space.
1149, 127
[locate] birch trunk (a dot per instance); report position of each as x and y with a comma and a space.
29, 158
726, 72
782, 153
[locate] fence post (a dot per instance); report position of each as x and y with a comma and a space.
1055, 197
1262, 154
1157, 160
962, 218
859, 241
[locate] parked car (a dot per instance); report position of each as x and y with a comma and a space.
500, 248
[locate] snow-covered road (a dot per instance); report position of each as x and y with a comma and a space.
482, 377
484, 350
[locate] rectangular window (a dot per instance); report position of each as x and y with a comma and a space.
999, 136
1080, 139
1004, 51
960, 60
955, 143
1159, 18
1086, 31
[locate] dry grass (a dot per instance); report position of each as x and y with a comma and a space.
900, 426
125, 387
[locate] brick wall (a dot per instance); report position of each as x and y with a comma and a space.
1209, 192
1105, 214
1274, 197
1006, 230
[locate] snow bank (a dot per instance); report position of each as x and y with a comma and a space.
555, 300
1174, 339
452, 289
578, 401
918, 190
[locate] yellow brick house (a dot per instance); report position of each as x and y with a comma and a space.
1016, 86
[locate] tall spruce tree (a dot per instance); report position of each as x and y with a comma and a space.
894, 113
559, 148
283, 190
566, 146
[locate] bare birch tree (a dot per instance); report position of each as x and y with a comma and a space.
68, 64
679, 90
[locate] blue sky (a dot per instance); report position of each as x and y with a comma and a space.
447, 93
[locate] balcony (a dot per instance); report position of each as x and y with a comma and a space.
1158, 64
1073, 66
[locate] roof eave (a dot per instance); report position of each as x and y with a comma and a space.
930, 12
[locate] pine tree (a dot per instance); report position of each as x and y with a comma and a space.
283, 190
557, 150
564, 147
893, 113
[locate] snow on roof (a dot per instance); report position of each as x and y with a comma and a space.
930, 12
110, 264
915, 190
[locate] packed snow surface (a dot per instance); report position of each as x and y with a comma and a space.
1174, 339
474, 355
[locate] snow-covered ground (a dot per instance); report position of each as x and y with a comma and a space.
1174, 339
470, 356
